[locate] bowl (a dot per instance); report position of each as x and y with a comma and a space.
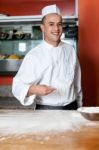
18, 35
89, 113
3, 35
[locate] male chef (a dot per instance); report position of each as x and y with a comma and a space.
50, 74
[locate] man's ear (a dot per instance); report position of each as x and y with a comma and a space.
42, 27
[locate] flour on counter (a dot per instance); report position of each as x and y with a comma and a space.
18, 122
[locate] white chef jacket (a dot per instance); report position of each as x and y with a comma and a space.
57, 67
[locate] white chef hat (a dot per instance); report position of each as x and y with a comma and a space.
50, 9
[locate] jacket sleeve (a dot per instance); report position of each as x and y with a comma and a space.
77, 84
26, 76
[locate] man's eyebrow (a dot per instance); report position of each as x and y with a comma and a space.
54, 22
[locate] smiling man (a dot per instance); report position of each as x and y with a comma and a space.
50, 76
52, 28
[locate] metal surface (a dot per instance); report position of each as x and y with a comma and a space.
90, 113
7, 65
91, 116
31, 19
12, 103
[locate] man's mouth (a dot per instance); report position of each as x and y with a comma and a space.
55, 33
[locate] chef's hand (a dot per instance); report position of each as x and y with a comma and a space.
40, 90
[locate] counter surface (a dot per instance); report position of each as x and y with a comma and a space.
47, 130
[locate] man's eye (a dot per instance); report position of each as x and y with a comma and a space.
51, 24
60, 24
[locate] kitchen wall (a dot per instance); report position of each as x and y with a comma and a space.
33, 7
89, 49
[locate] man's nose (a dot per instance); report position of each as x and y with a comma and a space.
56, 27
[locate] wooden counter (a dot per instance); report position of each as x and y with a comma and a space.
77, 133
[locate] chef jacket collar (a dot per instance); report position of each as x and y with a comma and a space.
49, 46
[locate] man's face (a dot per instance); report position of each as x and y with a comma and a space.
52, 28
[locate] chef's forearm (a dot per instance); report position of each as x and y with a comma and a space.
32, 90
40, 90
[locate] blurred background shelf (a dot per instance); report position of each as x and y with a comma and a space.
12, 103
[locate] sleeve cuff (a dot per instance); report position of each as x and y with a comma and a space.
28, 100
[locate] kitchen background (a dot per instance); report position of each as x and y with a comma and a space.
88, 39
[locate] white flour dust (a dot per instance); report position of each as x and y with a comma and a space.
20, 122
89, 109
